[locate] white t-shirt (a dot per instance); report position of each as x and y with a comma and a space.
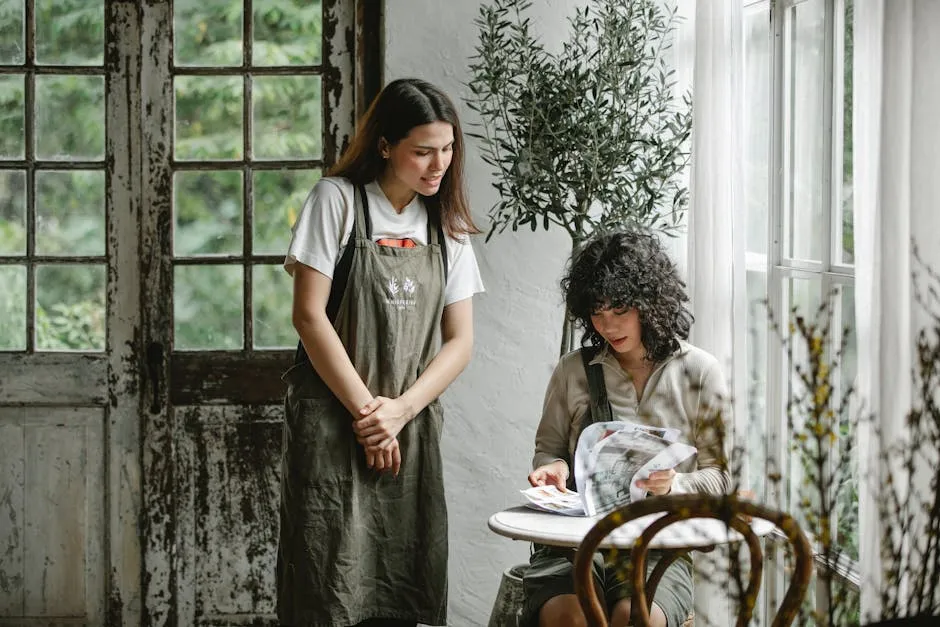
326, 221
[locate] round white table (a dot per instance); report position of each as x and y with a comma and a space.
524, 523
676, 540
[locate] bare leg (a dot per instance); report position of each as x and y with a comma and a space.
562, 611
621, 615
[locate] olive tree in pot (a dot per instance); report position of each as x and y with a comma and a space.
589, 138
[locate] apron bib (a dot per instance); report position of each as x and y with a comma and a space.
356, 543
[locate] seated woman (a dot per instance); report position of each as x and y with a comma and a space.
626, 293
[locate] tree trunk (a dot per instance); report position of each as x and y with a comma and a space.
568, 330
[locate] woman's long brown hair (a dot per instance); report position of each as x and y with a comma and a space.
402, 105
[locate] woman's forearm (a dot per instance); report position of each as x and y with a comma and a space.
709, 480
440, 373
457, 331
328, 357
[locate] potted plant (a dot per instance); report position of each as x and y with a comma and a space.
586, 139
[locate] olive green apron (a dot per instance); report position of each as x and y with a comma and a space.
356, 543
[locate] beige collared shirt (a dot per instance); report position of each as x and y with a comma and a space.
686, 392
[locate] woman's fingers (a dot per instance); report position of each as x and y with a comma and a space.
385, 457
396, 458
372, 405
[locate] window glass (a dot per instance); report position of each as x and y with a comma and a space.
288, 32
70, 307
757, 112
207, 307
847, 238
13, 308
69, 33
208, 32
207, 213
809, 160
12, 212
12, 116
70, 212
70, 117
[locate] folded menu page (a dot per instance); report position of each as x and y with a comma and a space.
548, 498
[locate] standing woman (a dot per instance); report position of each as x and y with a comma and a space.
384, 275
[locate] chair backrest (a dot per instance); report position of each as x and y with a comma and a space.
730, 509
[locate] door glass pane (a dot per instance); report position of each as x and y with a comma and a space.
208, 33
286, 117
207, 307
809, 162
757, 110
12, 116
70, 307
288, 32
207, 213
70, 212
271, 307
278, 197
13, 308
13, 212
12, 46
848, 210
209, 117
70, 33
70, 117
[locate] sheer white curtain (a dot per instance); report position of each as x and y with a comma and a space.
715, 243
897, 187
716, 226
713, 33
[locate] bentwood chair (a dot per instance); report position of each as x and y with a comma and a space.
730, 509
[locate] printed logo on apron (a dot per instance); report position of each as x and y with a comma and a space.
401, 293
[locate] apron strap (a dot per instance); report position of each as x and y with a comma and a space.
436, 236
362, 227
341, 272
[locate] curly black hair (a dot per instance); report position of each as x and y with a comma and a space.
625, 269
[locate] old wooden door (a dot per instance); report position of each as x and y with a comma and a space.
244, 103
153, 155
69, 313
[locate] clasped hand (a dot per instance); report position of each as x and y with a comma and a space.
377, 427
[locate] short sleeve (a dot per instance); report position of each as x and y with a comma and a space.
463, 273
324, 223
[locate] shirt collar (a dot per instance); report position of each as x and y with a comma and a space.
605, 355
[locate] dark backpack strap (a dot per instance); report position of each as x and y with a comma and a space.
599, 405
341, 272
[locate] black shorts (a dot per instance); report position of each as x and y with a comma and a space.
551, 573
